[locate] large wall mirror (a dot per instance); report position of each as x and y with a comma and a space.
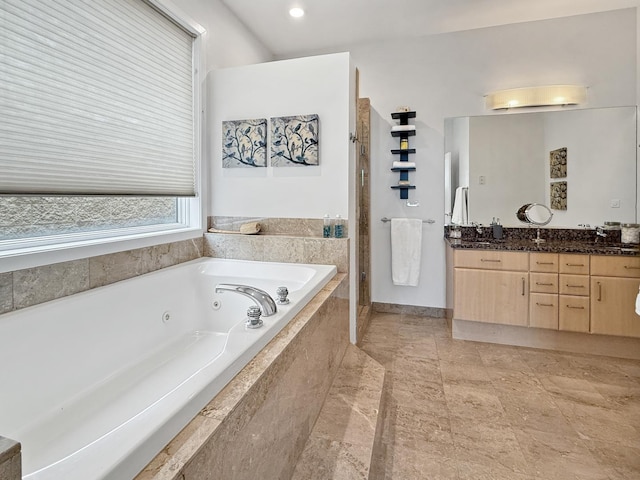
585, 159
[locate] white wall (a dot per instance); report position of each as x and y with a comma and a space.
446, 76
501, 153
322, 85
227, 42
599, 145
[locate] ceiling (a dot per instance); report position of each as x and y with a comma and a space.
331, 24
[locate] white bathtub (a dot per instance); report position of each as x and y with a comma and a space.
94, 385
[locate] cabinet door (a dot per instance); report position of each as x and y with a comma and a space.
491, 296
613, 303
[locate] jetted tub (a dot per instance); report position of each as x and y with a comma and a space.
97, 383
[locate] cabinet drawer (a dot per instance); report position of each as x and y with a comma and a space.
491, 260
610, 266
543, 282
576, 264
543, 262
574, 313
574, 284
543, 311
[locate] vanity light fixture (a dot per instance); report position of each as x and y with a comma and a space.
542, 96
296, 12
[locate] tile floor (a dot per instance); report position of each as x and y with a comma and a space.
467, 410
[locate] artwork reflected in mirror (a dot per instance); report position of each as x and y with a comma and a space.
558, 163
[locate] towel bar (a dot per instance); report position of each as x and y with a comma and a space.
429, 220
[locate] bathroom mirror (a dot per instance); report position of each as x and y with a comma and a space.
511, 159
535, 214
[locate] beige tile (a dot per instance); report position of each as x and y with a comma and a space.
458, 351
558, 457
535, 411
475, 471
40, 284
454, 373
574, 389
283, 249
328, 252
620, 462
473, 404
6, 292
600, 423
507, 381
325, 459
502, 357
488, 444
409, 464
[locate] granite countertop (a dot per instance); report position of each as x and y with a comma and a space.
551, 246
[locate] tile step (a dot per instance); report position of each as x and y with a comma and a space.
342, 441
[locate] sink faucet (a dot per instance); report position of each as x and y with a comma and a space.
478, 227
600, 233
260, 297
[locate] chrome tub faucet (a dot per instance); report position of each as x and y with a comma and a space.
260, 297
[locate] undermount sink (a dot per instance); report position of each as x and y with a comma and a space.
623, 249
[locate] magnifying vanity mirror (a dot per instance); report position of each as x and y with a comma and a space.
534, 214
503, 161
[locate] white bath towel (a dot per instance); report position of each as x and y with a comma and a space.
397, 164
406, 249
460, 214
402, 128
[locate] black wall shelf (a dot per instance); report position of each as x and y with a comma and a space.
404, 153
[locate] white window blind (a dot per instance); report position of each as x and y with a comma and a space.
96, 98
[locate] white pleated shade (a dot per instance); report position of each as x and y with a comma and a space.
96, 98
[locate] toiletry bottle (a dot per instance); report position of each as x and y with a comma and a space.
338, 228
496, 230
326, 227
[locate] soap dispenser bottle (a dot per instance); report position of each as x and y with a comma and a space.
496, 229
326, 227
338, 227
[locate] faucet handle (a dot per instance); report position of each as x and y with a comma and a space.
253, 317
282, 293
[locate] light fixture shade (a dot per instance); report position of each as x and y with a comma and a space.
536, 96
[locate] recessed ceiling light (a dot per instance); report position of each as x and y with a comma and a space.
296, 12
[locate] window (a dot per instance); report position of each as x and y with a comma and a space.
99, 132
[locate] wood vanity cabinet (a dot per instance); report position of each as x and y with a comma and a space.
574, 293
614, 286
543, 284
491, 286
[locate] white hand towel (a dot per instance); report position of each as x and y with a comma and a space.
406, 249
402, 128
460, 214
397, 164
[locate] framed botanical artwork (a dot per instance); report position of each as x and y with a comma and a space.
559, 195
244, 143
558, 163
294, 141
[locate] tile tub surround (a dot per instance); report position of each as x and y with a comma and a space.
10, 459
258, 425
279, 248
31, 286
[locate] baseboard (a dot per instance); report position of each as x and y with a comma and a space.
605, 345
432, 312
